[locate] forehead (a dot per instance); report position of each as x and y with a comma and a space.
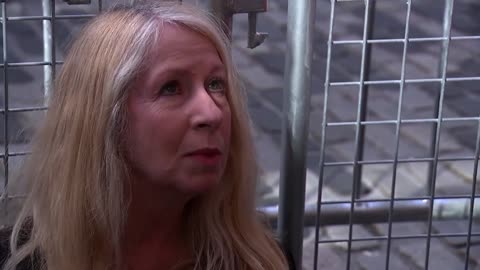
180, 45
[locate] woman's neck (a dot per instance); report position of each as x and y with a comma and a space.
155, 235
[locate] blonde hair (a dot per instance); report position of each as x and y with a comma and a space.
78, 170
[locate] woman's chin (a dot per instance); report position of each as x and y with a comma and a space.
200, 184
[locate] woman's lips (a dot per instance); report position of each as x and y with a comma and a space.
206, 156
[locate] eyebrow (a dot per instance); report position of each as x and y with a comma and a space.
186, 70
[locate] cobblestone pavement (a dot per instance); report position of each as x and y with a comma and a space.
262, 71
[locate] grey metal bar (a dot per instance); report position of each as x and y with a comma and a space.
31, 64
26, 64
48, 52
405, 160
357, 168
441, 66
60, 17
472, 200
5, 100
254, 38
415, 198
78, 2
397, 134
24, 109
15, 154
444, 63
378, 212
405, 121
426, 80
300, 29
399, 237
358, 130
401, 40
15, 197
224, 11
324, 129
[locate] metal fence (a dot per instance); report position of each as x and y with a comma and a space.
359, 209
45, 23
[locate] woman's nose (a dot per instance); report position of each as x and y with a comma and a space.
206, 113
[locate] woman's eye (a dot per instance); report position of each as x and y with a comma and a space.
217, 85
170, 88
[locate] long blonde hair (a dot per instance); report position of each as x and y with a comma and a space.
78, 170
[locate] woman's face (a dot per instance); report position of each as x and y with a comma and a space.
179, 116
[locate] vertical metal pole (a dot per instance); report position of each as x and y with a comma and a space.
324, 133
397, 133
358, 168
436, 109
433, 172
472, 199
358, 142
48, 48
300, 29
5, 99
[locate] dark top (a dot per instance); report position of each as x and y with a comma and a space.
30, 263
33, 262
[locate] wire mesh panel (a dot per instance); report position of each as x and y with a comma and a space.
35, 35
406, 137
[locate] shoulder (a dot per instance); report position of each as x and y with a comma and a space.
5, 233
30, 263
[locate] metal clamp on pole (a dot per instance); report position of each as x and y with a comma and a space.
78, 2
226, 9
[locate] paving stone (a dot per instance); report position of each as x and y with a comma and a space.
358, 231
421, 135
241, 58
260, 78
328, 257
382, 137
440, 257
466, 137
453, 226
266, 119
318, 82
467, 106
338, 179
474, 251
342, 105
316, 116
272, 60
376, 259
463, 169
383, 106
411, 180
415, 98
448, 182
377, 178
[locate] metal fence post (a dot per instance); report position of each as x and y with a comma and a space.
48, 10
4, 196
447, 26
358, 168
301, 18
436, 110
224, 11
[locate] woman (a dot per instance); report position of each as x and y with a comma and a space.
145, 160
